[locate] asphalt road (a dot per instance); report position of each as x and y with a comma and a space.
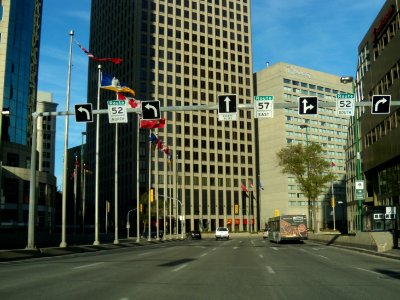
241, 268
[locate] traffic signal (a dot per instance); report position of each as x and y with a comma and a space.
236, 209
141, 208
333, 202
152, 195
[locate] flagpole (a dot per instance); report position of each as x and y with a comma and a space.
149, 233
116, 241
96, 197
137, 181
63, 243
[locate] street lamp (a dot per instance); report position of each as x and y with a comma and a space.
345, 80
310, 224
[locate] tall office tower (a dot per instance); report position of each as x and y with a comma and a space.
19, 55
182, 53
378, 73
281, 192
46, 137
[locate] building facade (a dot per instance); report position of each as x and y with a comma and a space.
378, 73
20, 23
281, 193
181, 53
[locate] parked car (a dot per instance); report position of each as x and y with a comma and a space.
196, 235
222, 233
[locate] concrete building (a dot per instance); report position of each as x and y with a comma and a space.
281, 192
378, 73
19, 53
181, 53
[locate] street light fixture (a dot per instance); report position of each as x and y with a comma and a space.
345, 80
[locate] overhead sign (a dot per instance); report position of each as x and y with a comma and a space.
227, 107
345, 104
83, 112
117, 111
151, 110
308, 105
381, 104
263, 106
360, 190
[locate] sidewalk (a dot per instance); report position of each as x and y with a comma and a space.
19, 254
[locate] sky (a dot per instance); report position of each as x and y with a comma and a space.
316, 34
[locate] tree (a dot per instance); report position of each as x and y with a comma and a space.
311, 170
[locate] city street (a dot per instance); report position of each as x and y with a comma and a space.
241, 268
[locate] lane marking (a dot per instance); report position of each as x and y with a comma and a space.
179, 268
323, 256
204, 254
235, 248
87, 266
261, 256
275, 248
270, 270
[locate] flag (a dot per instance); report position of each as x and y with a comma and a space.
153, 138
333, 164
244, 189
90, 55
149, 124
109, 82
260, 185
132, 101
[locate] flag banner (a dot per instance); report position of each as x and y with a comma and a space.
132, 101
150, 124
158, 143
244, 189
109, 82
90, 55
333, 164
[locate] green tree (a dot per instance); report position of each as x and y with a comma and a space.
311, 169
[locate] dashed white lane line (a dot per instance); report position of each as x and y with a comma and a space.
87, 266
270, 270
261, 256
369, 271
179, 268
204, 254
323, 256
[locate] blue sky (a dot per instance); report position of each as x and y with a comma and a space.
316, 34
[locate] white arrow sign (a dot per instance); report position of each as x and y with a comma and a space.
227, 102
305, 107
148, 106
382, 101
81, 109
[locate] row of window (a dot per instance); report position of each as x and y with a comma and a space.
310, 86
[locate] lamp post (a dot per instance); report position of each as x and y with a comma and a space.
310, 223
128, 225
349, 79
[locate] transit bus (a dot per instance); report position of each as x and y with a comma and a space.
287, 228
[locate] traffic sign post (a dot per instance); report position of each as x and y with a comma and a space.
151, 110
263, 106
345, 104
381, 104
227, 107
83, 112
308, 105
360, 190
117, 111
